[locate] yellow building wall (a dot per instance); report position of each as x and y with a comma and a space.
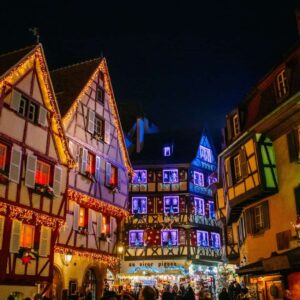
282, 208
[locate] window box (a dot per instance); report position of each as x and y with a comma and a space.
90, 176
113, 189
44, 190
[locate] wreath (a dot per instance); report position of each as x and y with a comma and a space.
27, 255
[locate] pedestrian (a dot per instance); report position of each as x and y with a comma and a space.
147, 293
10, 297
224, 295
179, 296
231, 291
167, 295
156, 292
244, 294
88, 294
189, 293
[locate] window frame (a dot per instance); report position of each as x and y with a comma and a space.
201, 200
236, 125
82, 214
206, 152
209, 209
218, 239
97, 98
50, 174
4, 167
170, 170
140, 171
167, 151
27, 103
163, 243
22, 244
141, 243
282, 88
237, 167
258, 226
198, 232
90, 164
99, 135
201, 174
139, 200
171, 205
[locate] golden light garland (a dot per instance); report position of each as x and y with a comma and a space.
37, 55
112, 103
110, 260
24, 214
97, 204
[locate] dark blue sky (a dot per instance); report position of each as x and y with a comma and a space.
187, 64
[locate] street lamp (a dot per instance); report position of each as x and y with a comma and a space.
120, 249
67, 257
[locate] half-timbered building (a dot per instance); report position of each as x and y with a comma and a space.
259, 176
34, 164
172, 227
98, 186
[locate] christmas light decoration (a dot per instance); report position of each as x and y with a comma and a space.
112, 103
110, 260
96, 204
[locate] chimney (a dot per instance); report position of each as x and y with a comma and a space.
139, 134
297, 13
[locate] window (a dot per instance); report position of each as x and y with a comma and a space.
3, 155
169, 237
167, 151
99, 128
139, 177
82, 219
206, 154
100, 95
28, 109
199, 206
171, 204
241, 229
42, 174
136, 238
211, 180
32, 112
202, 238
294, 145
211, 210
198, 178
90, 166
27, 236
111, 175
258, 218
236, 124
139, 205
281, 83
170, 176
237, 167
215, 240
114, 176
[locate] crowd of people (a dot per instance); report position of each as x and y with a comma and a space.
235, 292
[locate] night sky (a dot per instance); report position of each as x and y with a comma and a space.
186, 64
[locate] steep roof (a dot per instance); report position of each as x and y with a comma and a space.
185, 144
8, 60
69, 81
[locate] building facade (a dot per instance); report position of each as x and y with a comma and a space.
259, 175
172, 229
98, 186
34, 167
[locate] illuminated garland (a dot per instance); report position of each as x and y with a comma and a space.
110, 260
116, 119
97, 204
36, 55
24, 214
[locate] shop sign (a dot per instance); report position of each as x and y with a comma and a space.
148, 264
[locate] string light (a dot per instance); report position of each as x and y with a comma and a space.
96, 204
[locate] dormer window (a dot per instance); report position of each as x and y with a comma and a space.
206, 154
167, 151
236, 125
282, 84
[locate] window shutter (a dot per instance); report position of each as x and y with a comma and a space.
249, 221
119, 178
107, 132
107, 173
45, 239
265, 211
2, 222
15, 165
228, 129
71, 148
91, 121
112, 228
15, 100
15, 237
98, 168
99, 224
90, 222
83, 160
57, 180
42, 116
30, 170
76, 216
244, 163
229, 173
